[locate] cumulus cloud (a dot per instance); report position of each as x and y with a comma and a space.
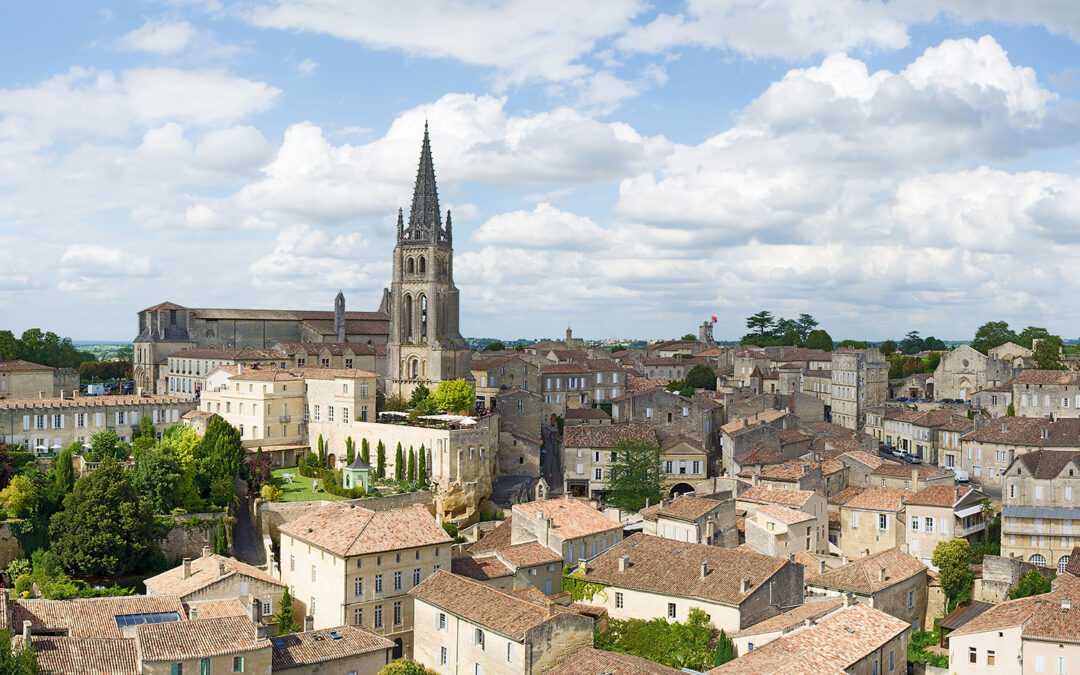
305, 257
160, 37
101, 261
545, 227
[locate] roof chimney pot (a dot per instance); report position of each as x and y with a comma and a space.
187, 568
624, 562
26, 631
881, 574
704, 568
745, 586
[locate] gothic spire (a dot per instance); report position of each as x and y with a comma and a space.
424, 218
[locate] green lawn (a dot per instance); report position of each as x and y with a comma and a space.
299, 490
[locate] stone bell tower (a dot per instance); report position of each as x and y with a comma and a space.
425, 344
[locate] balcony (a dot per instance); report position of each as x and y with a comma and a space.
961, 531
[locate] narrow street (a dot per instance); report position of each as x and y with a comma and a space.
247, 543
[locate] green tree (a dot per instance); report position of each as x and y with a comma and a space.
762, 323
689, 337
182, 441
322, 452
419, 394
284, 617
725, 649
146, 427
1047, 355
365, 452
219, 454
818, 339
934, 344
987, 511
1027, 337
852, 344
636, 476
456, 395
350, 452
701, 377
888, 348
406, 667
421, 467
674, 644
399, 463
104, 443
932, 362
992, 334
106, 527
63, 468
380, 458
1031, 583
411, 471
912, 343
804, 324
21, 497
495, 346
21, 661
157, 475
9, 346
952, 558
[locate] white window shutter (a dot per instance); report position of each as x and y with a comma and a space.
62, 420
134, 418
26, 422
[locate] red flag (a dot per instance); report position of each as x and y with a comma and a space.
714, 319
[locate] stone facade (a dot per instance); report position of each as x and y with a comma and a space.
964, 370
1040, 504
860, 379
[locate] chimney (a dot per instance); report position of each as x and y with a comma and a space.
1004, 426
791, 557
205, 551
1066, 604
821, 567
843, 558
221, 569
849, 599
805, 469
543, 529
26, 632
704, 568
745, 585
754, 478
807, 622
187, 568
881, 574
309, 623
239, 368
256, 611
914, 479
193, 613
624, 562
745, 422
865, 552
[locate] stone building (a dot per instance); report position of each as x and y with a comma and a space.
890, 581
186, 370
581, 384
964, 370
587, 451
345, 564
22, 379
496, 374
1040, 503
922, 433
570, 527
781, 531
699, 417
700, 520
215, 577
942, 512
425, 344
860, 379
873, 521
988, 451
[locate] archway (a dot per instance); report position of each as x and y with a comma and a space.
399, 648
681, 489
1062, 562
331, 460
423, 317
421, 265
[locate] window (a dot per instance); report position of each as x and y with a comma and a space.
1061, 665
478, 638
973, 656
619, 600
177, 669
358, 586
882, 521
397, 581
378, 616
1038, 492
598, 474
1039, 666
416, 576
477, 670
378, 583
915, 523
854, 518
929, 525
442, 656
329, 413
397, 613
292, 563
989, 657
671, 610
910, 603
509, 652
358, 617
313, 573
440, 621
204, 667
268, 608
317, 413
238, 664
892, 660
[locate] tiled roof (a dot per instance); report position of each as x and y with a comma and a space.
879, 499
202, 638
304, 373
897, 470
86, 617
788, 471
831, 466
863, 575
498, 537
804, 354
659, 565
764, 417
1008, 613
938, 495
682, 508
334, 348
346, 529
1073, 566
669, 441
570, 518
1048, 463
792, 436
1046, 377
870, 460
759, 454
205, 571
592, 661
586, 414
87, 656
846, 495
481, 569
248, 354
318, 646
792, 619
480, 604
1062, 433
784, 514
606, 435
829, 648
528, 554
638, 384
93, 401
213, 609
778, 496
18, 365
488, 362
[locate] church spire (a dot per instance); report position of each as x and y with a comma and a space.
425, 222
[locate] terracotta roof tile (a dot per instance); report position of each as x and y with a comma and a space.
1031, 431
89, 656
606, 435
784, 514
846, 495
938, 495
202, 638
879, 499
780, 496
205, 571
18, 365
318, 646
345, 529
759, 454
498, 537
685, 507
528, 554
863, 575
570, 518
792, 619
591, 661
480, 568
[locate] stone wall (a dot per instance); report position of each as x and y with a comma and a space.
999, 574
186, 540
10, 549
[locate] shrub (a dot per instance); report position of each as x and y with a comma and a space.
272, 493
22, 584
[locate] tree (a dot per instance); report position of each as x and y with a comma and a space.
157, 476
271, 493
365, 452
350, 451
495, 346
63, 468
932, 362
284, 617
1027, 337
181, 440
888, 348
1031, 583
399, 463
380, 466
259, 470
701, 377
456, 395
934, 344
406, 667
636, 475
912, 343
218, 455
689, 337
21, 497
761, 323
21, 661
421, 467
804, 324
992, 334
818, 339
322, 452
146, 427
106, 527
674, 644
9, 346
104, 443
852, 344
1047, 355
419, 394
952, 558
987, 511
1011, 410
725, 650
410, 473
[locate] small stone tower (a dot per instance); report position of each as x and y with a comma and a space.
339, 317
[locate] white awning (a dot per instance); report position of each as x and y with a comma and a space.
969, 511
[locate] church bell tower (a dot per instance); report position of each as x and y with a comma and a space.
425, 344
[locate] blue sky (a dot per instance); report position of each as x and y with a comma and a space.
627, 167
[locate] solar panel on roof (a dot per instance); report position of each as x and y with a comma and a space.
123, 620
279, 643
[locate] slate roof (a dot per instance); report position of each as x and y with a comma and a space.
862, 575
659, 565
204, 572
592, 661
317, 646
606, 435
346, 529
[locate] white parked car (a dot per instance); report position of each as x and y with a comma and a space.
961, 475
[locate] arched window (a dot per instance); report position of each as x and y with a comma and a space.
415, 369
421, 265
1062, 562
423, 316
408, 318
1037, 559
409, 266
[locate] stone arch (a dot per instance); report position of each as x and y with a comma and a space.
399, 648
421, 265
963, 385
407, 316
1037, 559
331, 461
1062, 562
409, 266
414, 368
680, 489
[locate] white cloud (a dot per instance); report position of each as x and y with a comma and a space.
304, 257
306, 67
545, 227
100, 261
521, 39
160, 37
1057, 16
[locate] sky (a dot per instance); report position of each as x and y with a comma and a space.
631, 168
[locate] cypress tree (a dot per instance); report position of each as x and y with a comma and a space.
412, 465
380, 467
284, 618
350, 454
365, 452
322, 452
399, 463
421, 467
725, 650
